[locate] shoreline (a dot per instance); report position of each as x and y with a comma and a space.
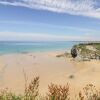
37, 52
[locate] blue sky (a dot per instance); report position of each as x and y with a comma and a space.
52, 20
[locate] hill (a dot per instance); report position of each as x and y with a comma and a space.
86, 51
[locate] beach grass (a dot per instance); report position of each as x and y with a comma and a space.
55, 92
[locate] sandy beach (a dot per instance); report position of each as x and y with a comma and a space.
49, 68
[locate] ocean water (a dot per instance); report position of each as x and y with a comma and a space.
7, 47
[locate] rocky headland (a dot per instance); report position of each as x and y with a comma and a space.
83, 52
86, 51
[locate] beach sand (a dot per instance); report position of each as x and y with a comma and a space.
49, 68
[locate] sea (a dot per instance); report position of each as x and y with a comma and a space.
8, 47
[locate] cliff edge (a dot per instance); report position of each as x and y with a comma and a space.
86, 51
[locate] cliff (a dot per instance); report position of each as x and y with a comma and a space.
86, 51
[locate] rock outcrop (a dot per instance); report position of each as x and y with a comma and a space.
86, 51
74, 52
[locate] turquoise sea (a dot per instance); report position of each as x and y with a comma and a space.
7, 47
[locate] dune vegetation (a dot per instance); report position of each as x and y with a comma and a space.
55, 92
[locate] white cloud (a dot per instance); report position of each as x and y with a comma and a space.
12, 36
80, 29
75, 7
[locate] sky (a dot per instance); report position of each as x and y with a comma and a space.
50, 20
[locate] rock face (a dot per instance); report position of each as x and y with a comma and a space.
74, 52
86, 51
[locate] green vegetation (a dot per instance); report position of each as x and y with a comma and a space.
97, 47
31, 92
94, 45
87, 51
8, 95
55, 92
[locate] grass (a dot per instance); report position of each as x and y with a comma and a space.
8, 95
32, 90
58, 92
89, 93
55, 92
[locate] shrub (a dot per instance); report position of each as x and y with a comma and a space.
32, 90
89, 93
55, 92
58, 92
8, 95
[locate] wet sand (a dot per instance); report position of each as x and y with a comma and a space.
49, 68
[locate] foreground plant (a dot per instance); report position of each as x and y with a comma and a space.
32, 90
58, 92
89, 93
8, 95
55, 92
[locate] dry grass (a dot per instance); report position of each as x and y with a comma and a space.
89, 93
32, 90
55, 92
58, 92
8, 95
